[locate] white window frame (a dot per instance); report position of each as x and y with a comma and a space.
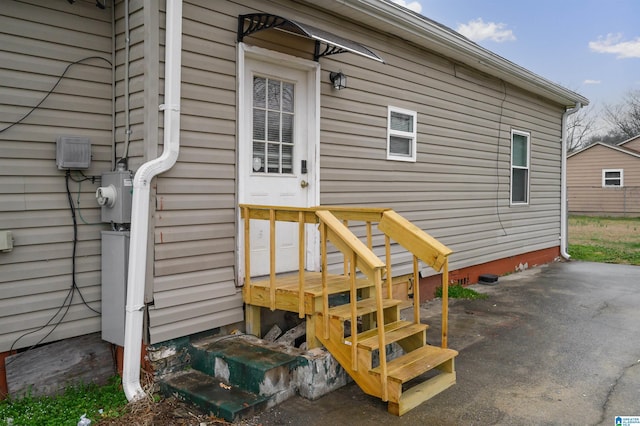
412, 136
604, 180
527, 168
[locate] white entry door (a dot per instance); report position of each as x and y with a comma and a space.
276, 155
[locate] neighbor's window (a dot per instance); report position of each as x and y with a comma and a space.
519, 167
401, 135
612, 178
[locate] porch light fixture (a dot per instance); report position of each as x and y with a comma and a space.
338, 79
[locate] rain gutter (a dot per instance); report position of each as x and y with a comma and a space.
564, 211
140, 203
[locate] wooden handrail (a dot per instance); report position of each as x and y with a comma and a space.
332, 229
345, 241
422, 245
426, 248
290, 214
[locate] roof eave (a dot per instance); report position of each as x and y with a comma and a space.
613, 147
428, 34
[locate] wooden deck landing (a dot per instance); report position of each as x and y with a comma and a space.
287, 287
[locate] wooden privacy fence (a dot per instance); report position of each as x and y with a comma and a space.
598, 201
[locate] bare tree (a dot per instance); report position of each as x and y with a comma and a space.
581, 128
624, 117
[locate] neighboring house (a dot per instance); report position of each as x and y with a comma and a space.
462, 142
604, 180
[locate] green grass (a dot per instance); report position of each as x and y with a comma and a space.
459, 292
67, 408
605, 239
605, 254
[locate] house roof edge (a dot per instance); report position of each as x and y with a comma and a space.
441, 39
614, 147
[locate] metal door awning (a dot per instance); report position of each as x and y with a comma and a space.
326, 43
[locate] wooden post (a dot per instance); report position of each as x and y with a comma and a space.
252, 320
4, 388
387, 249
445, 302
301, 252
381, 337
272, 258
353, 302
312, 341
369, 236
416, 291
247, 255
325, 295
345, 261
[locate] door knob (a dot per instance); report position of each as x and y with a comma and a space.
304, 183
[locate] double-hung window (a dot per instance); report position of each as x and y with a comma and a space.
401, 134
612, 178
520, 145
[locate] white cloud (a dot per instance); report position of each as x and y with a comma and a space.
478, 30
614, 43
411, 5
592, 82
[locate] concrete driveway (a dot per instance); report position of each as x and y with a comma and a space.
554, 345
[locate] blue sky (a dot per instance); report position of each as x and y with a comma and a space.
589, 46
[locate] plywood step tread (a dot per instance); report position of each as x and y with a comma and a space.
394, 332
416, 362
363, 307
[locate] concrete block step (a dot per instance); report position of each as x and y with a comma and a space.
253, 366
213, 395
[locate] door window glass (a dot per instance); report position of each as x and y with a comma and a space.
273, 126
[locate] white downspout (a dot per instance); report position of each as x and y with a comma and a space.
564, 214
140, 202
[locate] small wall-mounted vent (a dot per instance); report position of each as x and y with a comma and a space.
73, 152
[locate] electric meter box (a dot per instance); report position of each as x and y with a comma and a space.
115, 195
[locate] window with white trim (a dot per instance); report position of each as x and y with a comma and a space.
520, 145
401, 134
612, 178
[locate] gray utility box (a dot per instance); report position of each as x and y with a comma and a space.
73, 152
115, 261
115, 195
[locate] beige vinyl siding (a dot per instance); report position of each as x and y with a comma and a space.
633, 144
458, 190
454, 191
584, 183
195, 233
38, 40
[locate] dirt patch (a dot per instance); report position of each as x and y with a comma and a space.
168, 411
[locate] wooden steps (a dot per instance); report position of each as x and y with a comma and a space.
394, 332
363, 307
401, 390
374, 319
417, 362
